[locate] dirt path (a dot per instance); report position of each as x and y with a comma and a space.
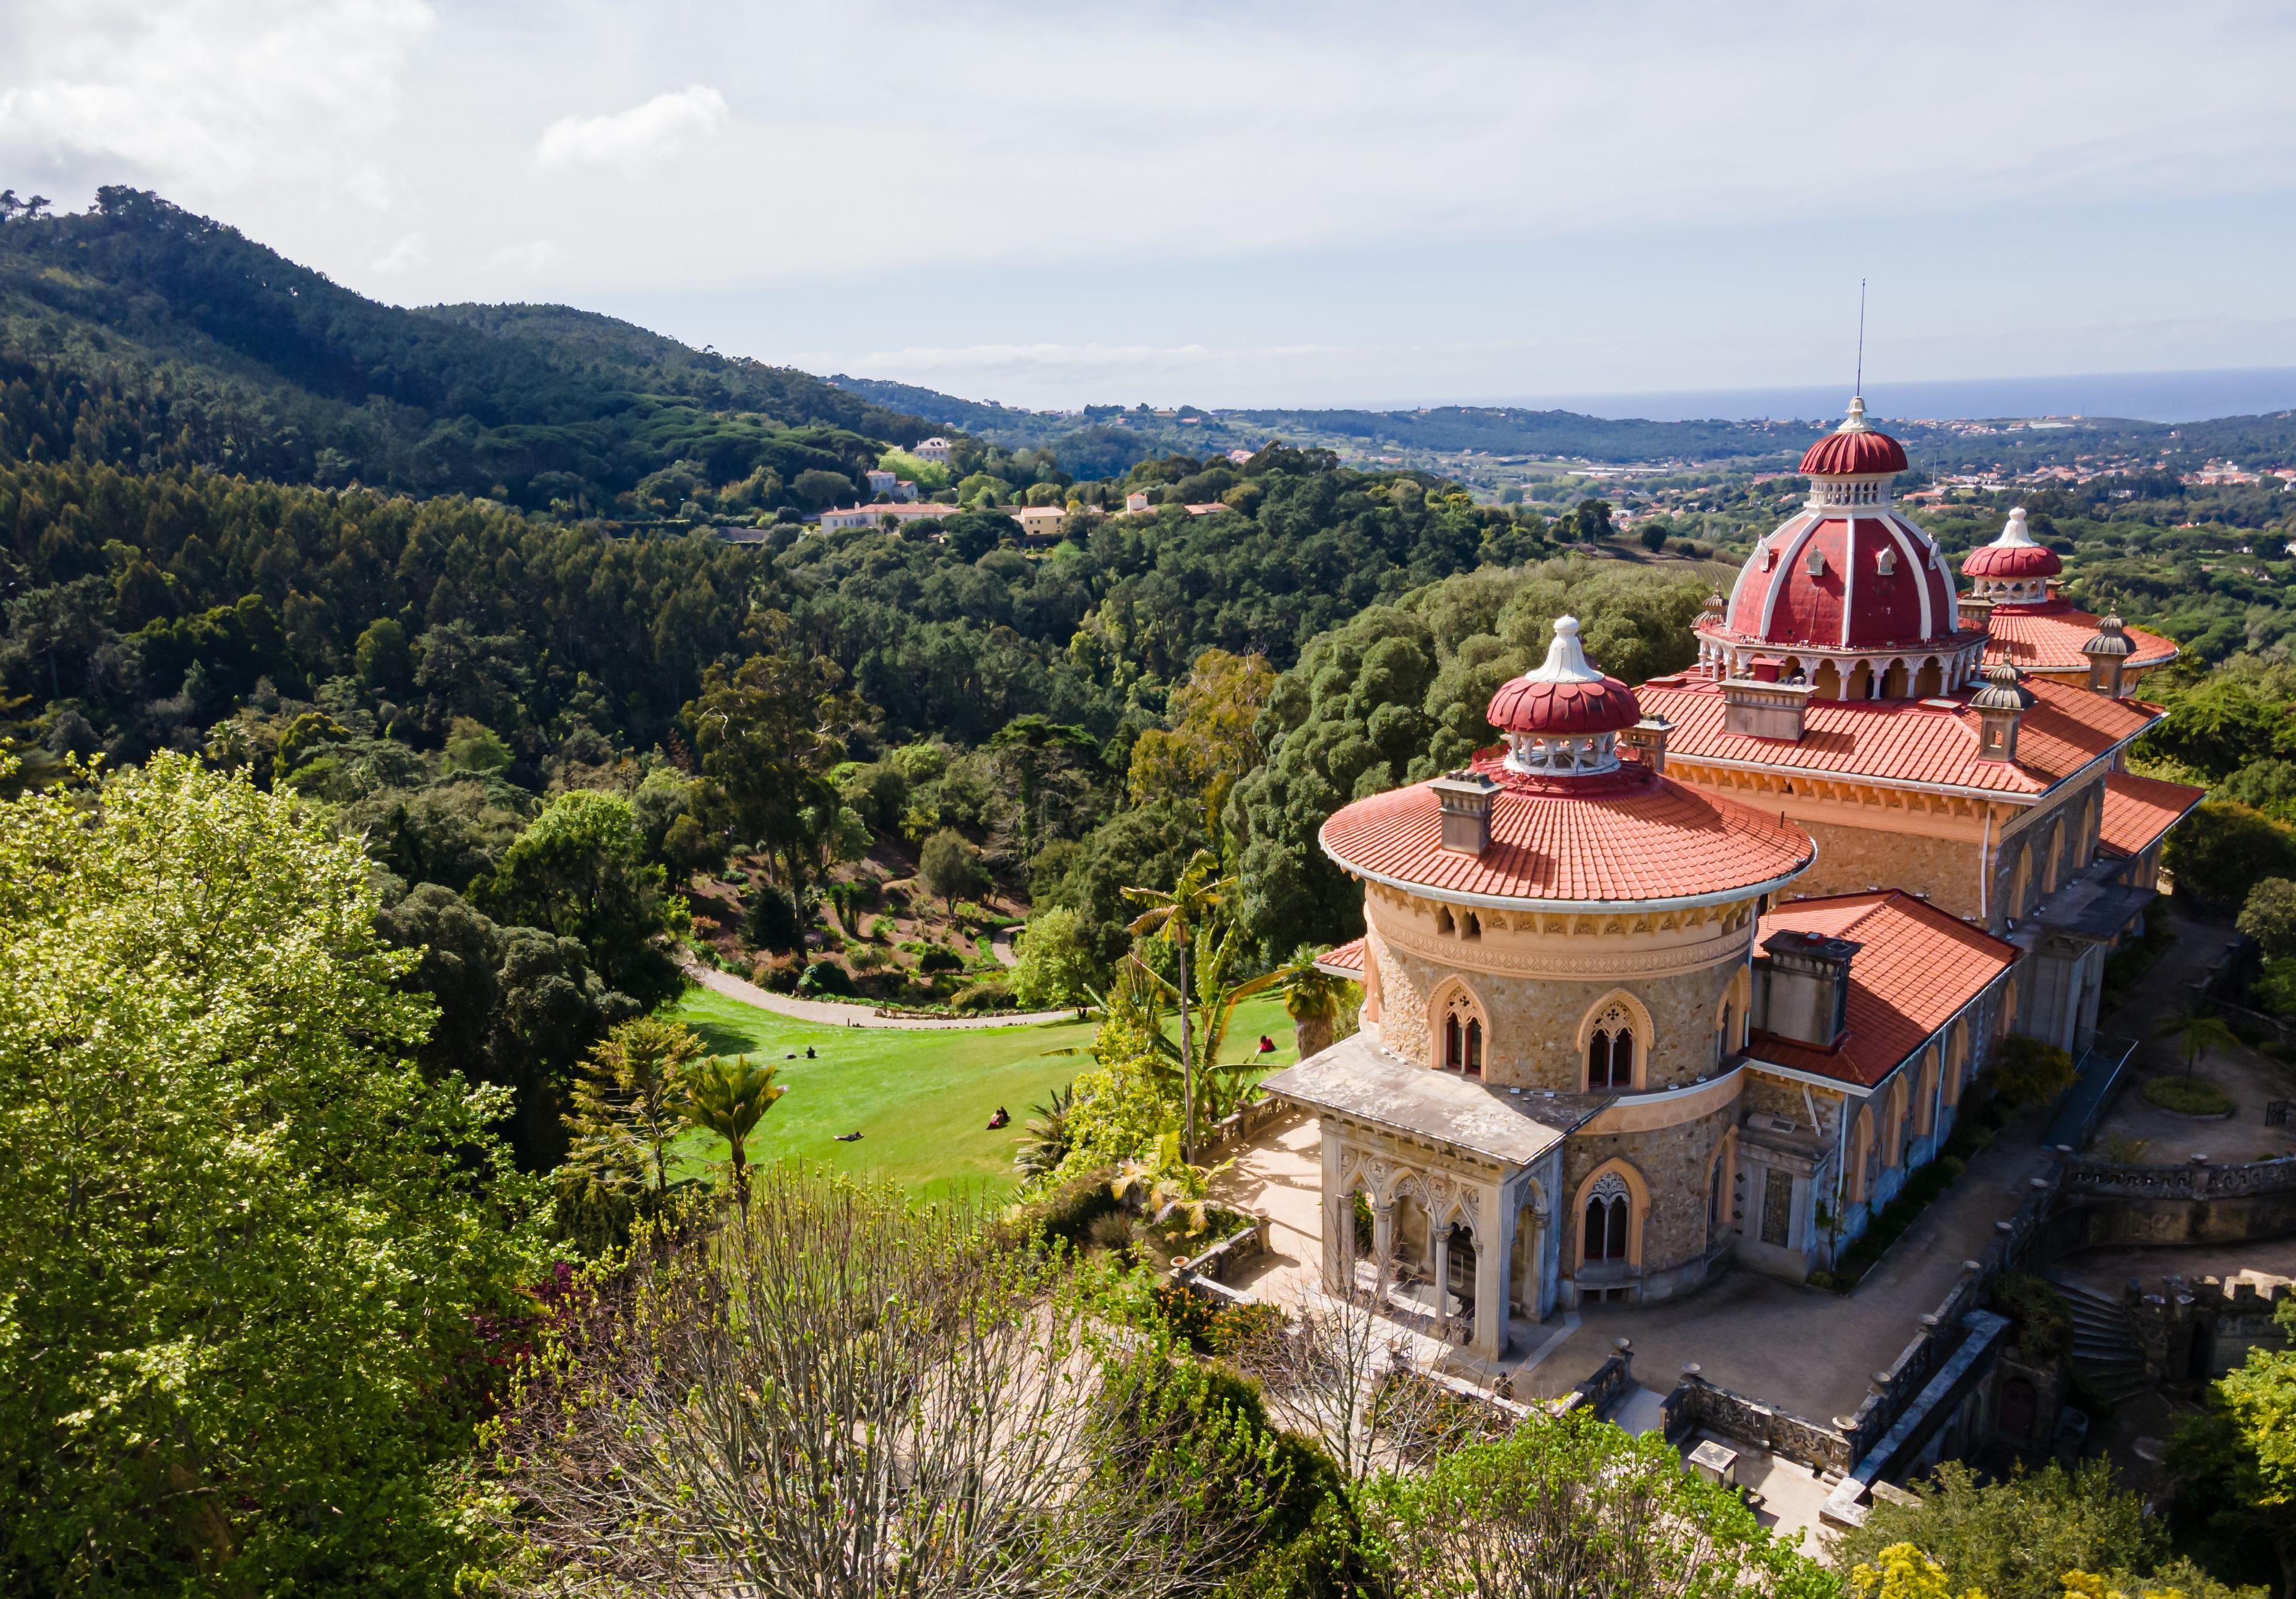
830, 1013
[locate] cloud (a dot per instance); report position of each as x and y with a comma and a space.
629, 139
404, 256
533, 256
210, 96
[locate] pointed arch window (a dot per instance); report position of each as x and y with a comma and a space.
1608, 1213
1462, 1035
1611, 1050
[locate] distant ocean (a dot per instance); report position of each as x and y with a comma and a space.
2142, 396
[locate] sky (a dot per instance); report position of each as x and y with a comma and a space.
1234, 204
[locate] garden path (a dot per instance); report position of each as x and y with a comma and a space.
833, 1015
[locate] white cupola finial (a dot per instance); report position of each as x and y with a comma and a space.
1566, 662
1856, 423
2016, 536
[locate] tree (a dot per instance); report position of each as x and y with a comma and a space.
2270, 916
252, 1253
1213, 739
1311, 998
845, 1393
1575, 1506
729, 1098
1057, 966
1174, 915
2197, 1032
950, 868
767, 733
625, 1120
2234, 1468
580, 871
2219, 851
2013, 1538
1903, 1572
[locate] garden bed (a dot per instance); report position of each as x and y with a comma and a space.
2194, 1099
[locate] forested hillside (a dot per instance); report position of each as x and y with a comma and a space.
140, 334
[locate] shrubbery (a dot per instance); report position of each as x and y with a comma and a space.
2186, 1097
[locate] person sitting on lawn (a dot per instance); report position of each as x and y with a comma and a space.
1000, 1119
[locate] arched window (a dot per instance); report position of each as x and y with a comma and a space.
1610, 1059
1611, 1045
1893, 681
1473, 927
1828, 681
1463, 1044
1608, 1213
1443, 923
1930, 682
1460, 1047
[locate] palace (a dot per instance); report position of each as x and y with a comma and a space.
1693, 974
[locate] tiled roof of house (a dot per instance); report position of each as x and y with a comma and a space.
1916, 966
2138, 810
1628, 837
1347, 961
1931, 741
2048, 638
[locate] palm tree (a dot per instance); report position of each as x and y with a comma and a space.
1044, 1141
729, 1097
1176, 917
1311, 998
2197, 1032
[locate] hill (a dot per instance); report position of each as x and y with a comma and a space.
138, 334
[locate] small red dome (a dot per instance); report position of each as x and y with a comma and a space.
1605, 705
1564, 696
1853, 450
2012, 555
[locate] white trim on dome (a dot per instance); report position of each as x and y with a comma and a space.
1785, 570
1918, 569
2014, 534
1849, 575
1566, 659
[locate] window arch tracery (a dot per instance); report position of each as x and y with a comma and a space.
1611, 1049
1462, 1032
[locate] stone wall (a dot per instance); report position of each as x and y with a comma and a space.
1673, 1163
1531, 1039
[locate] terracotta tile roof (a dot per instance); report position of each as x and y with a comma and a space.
2048, 638
1916, 966
2138, 810
1908, 740
1347, 961
1627, 837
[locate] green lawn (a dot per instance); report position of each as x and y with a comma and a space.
921, 1099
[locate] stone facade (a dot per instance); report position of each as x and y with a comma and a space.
1539, 988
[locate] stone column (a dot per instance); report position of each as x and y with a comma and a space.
1440, 1235
1339, 1214
1382, 1239
1494, 1265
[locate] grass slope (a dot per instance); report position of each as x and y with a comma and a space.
921, 1099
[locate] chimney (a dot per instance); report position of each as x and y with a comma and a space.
2108, 653
1647, 739
1802, 987
1999, 705
1466, 796
1760, 707
1975, 612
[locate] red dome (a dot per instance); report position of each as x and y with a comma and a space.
1605, 705
1853, 450
1838, 580
2012, 555
1853, 456
1565, 695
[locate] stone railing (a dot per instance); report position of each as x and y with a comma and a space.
1696, 1405
1603, 1388
1240, 1128
1244, 1244
2198, 1179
